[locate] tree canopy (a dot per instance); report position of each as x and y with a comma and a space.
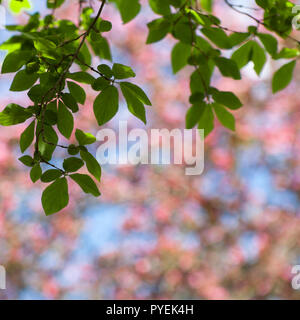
52, 61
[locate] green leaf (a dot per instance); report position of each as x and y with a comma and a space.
70, 102
72, 164
263, 3
197, 17
32, 67
86, 184
77, 92
184, 32
84, 138
101, 48
228, 68
196, 97
82, 77
283, 76
50, 117
218, 37
15, 60
238, 37
258, 57
287, 53
91, 164
84, 56
194, 114
47, 148
27, 161
13, 114
158, 29
206, 5
228, 99
100, 84
16, 6
73, 150
129, 9
95, 36
160, 7
179, 56
106, 105
177, 3
105, 70
105, 26
55, 197
38, 93
121, 71
200, 78
65, 121
206, 121
224, 116
23, 81
243, 54
27, 137
46, 48
36, 173
51, 175
270, 43
138, 92
52, 4
135, 106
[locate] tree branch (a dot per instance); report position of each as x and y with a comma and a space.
62, 76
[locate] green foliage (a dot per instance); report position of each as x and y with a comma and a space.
227, 98
15, 60
51, 175
129, 9
224, 116
105, 70
27, 137
194, 114
270, 43
36, 173
84, 138
91, 164
23, 81
134, 104
27, 161
72, 164
56, 196
180, 55
106, 104
82, 77
16, 6
77, 92
14, 114
283, 76
43, 52
137, 92
158, 29
65, 121
86, 184
206, 120
70, 102
122, 72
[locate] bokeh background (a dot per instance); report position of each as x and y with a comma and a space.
231, 233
